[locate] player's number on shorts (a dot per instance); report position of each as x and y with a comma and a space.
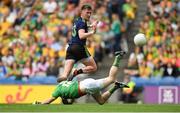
67, 84
74, 31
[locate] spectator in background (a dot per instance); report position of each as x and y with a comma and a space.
50, 6
42, 66
8, 59
120, 9
116, 29
138, 54
27, 69
71, 10
128, 9
158, 70
132, 66
178, 6
169, 70
14, 70
114, 6
98, 55
53, 69
62, 6
144, 70
3, 70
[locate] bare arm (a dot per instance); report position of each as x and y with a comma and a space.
83, 35
48, 101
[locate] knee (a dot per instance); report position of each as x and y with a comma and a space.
94, 68
111, 79
101, 103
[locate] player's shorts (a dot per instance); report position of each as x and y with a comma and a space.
92, 86
77, 52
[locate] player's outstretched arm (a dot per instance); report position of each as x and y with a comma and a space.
48, 101
83, 35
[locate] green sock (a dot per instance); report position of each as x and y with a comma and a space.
113, 89
117, 61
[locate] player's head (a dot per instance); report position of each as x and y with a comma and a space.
86, 11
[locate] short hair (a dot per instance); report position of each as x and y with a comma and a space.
86, 6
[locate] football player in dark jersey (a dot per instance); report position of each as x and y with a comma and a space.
77, 50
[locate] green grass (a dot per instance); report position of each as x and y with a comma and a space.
90, 108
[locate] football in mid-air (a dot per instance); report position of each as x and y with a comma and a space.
140, 39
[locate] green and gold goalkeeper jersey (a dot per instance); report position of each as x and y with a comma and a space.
67, 90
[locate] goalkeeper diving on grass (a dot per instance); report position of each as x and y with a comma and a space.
75, 89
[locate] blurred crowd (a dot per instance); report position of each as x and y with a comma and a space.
161, 56
157, 62
34, 33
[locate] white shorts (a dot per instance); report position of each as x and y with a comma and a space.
92, 86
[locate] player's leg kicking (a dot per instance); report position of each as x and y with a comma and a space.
102, 98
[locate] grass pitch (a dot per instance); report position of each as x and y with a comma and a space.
89, 108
